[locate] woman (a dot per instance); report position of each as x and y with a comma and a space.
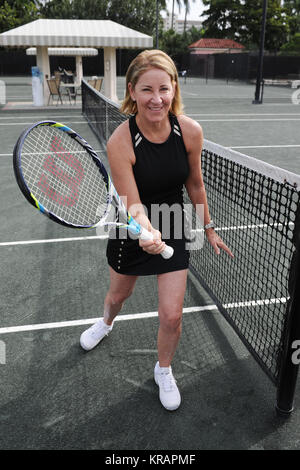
161, 150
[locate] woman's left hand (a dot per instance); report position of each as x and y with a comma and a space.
217, 242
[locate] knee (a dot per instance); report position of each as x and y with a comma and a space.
119, 297
170, 320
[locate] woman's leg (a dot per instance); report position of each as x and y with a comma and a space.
171, 290
121, 287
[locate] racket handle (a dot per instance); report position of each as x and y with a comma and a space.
145, 235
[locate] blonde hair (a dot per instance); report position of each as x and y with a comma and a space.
151, 59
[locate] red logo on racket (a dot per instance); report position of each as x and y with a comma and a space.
71, 180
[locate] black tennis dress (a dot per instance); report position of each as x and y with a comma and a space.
160, 171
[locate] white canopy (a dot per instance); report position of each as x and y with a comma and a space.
66, 51
104, 34
75, 33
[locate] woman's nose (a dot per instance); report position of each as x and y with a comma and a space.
156, 98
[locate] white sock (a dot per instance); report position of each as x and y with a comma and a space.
163, 369
105, 324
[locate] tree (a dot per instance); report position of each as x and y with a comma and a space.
292, 11
223, 18
179, 6
187, 10
176, 44
277, 27
14, 13
135, 14
241, 20
292, 47
74, 9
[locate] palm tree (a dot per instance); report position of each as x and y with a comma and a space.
186, 4
179, 5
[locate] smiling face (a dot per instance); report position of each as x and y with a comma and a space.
153, 94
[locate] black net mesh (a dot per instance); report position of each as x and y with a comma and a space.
255, 215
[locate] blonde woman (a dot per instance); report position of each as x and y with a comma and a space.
152, 156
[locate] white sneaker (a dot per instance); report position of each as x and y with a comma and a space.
93, 335
168, 392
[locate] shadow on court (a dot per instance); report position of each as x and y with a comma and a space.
54, 395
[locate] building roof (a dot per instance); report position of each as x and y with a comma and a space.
75, 33
208, 43
66, 51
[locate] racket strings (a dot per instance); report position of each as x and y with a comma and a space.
63, 177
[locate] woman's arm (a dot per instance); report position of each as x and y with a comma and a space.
121, 160
193, 140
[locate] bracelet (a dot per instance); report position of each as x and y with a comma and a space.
210, 225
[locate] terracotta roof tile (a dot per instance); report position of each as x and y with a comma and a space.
208, 43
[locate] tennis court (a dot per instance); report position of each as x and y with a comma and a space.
53, 282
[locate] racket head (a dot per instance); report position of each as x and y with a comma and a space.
61, 175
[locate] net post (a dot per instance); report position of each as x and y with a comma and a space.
290, 359
106, 123
82, 98
258, 96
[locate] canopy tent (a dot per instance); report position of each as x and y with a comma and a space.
77, 52
104, 34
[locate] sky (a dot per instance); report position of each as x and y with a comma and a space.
196, 8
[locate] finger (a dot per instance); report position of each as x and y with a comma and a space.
156, 236
226, 249
229, 251
216, 248
155, 249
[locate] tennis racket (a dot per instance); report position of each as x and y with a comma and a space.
63, 177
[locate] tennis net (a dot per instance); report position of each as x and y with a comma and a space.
256, 208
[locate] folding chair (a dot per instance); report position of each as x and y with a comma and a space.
98, 84
57, 76
92, 82
72, 93
54, 90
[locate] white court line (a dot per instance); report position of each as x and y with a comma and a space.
29, 123
263, 146
244, 114
230, 147
247, 120
188, 93
136, 316
104, 237
70, 116
54, 240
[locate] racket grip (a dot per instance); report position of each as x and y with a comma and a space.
145, 235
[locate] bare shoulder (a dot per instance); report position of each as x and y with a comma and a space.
191, 132
189, 126
121, 132
119, 145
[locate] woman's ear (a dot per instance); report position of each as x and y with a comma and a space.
174, 88
131, 91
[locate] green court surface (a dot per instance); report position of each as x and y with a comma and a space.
54, 395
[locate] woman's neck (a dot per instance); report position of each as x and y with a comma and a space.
154, 131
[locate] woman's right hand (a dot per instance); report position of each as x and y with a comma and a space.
155, 246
